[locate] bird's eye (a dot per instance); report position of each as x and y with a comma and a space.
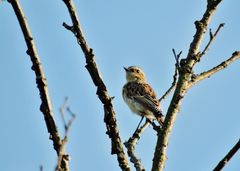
137, 71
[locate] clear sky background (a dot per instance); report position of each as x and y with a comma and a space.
122, 33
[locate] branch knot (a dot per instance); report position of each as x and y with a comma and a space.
199, 25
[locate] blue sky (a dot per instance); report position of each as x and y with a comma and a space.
122, 33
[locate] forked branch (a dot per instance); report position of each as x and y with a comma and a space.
185, 72
207, 74
67, 126
130, 145
201, 28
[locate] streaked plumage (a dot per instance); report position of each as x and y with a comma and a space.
139, 95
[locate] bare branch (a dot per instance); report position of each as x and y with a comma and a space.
62, 111
175, 76
73, 117
201, 27
110, 116
130, 145
177, 57
70, 28
62, 155
228, 157
41, 81
212, 38
63, 158
185, 72
207, 74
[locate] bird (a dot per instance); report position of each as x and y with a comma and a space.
140, 96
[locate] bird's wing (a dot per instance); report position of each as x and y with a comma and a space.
148, 103
146, 96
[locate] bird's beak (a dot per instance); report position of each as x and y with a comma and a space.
126, 69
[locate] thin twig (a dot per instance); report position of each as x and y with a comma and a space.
177, 57
222, 65
45, 107
91, 65
130, 145
73, 117
228, 157
212, 38
62, 111
67, 126
175, 76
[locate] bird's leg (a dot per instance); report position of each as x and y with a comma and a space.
139, 125
140, 122
155, 127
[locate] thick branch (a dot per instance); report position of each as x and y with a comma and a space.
45, 106
207, 74
110, 116
228, 157
186, 66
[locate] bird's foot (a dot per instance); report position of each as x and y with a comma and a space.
155, 127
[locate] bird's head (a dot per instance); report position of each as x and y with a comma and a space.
134, 73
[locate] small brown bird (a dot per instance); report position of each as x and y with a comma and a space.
139, 95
